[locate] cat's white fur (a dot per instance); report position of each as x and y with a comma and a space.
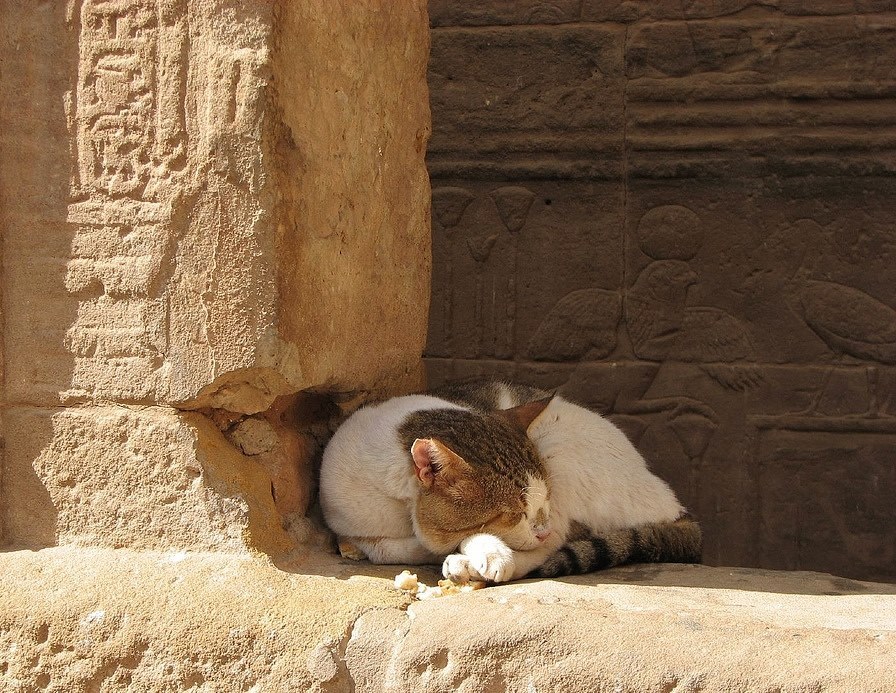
595, 476
367, 483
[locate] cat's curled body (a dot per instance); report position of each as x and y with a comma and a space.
497, 482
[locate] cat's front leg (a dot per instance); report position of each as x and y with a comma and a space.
481, 557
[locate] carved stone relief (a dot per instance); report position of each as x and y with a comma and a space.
722, 283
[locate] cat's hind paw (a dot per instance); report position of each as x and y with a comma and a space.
347, 549
484, 557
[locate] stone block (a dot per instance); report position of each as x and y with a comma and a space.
781, 96
529, 89
653, 10
120, 620
146, 478
205, 206
825, 499
196, 237
516, 13
502, 12
712, 53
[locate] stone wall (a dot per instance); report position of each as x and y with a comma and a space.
682, 214
198, 199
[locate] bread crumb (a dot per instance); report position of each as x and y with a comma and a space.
429, 593
451, 587
407, 581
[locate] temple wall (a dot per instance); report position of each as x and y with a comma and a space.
682, 215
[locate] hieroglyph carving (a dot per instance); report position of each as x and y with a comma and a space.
480, 245
131, 137
130, 116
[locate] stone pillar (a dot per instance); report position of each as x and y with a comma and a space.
215, 221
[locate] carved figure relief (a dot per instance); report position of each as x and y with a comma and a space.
660, 322
655, 305
476, 237
670, 232
715, 339
448, 207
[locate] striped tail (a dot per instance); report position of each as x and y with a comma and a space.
679, 541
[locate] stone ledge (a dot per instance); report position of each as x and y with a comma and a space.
87, 619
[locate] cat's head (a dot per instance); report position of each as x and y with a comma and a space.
478, 472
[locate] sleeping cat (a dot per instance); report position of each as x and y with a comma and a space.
497, 482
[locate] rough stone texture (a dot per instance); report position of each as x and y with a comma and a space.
681, 213
112, 476
231, 623
198, 199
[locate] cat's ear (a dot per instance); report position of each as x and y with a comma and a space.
423, 452
523, 415
434, 461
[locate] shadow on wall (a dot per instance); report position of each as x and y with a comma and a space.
694, 385
616, 215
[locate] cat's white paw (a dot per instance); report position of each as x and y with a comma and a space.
457, 568
484, 557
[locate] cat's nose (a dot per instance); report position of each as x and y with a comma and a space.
542, 533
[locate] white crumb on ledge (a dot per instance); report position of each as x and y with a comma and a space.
406, 581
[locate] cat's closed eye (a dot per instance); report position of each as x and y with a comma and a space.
512, 518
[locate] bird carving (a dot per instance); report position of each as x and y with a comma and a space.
849, 321
582, 322
663, 327
654, 307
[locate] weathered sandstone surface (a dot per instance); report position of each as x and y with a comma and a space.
92, 619
215, 223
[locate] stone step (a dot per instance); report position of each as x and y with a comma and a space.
76, 619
